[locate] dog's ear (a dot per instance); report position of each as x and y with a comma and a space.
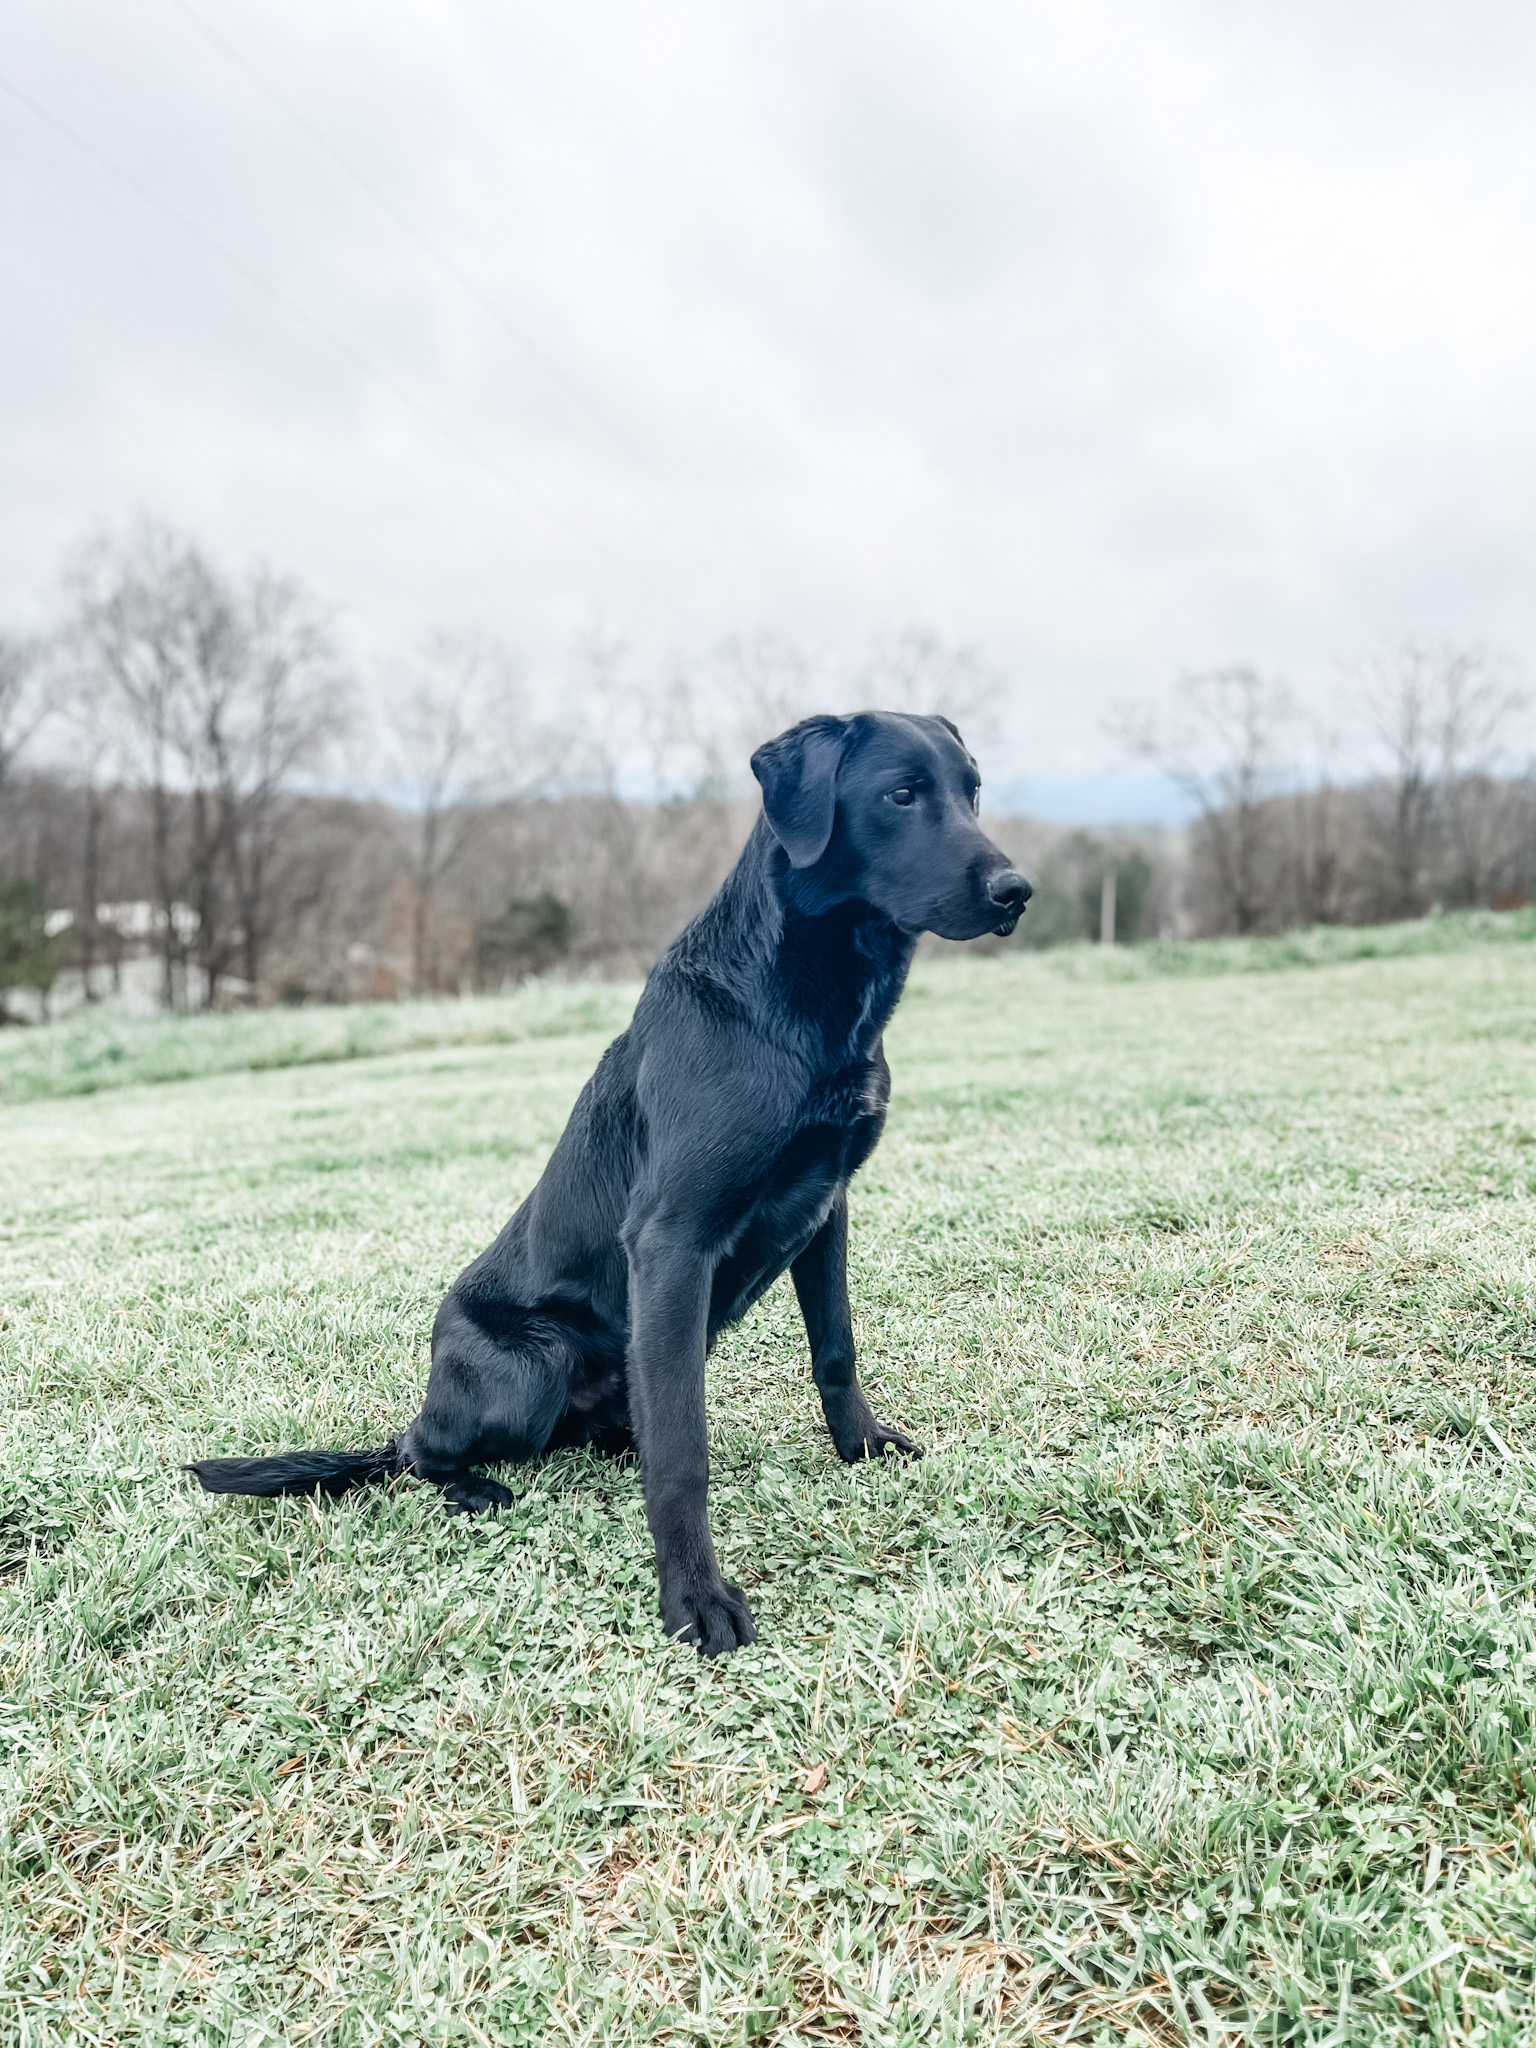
798, 772
949, 725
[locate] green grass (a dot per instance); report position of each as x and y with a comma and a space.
100, 1048
1321, 945
1185, 1691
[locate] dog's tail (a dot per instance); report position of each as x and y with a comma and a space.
300, 1472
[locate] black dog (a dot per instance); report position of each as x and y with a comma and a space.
711, 1149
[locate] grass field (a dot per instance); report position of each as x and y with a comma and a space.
1185, 1691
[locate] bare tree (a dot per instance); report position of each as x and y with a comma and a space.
91, 744
460, 742
148, 615
918, 671
1220, 745
1397, 695
622, 722
24, 702
292, 702
1443, 715
1481, 809
722, 705
223, 692
1312, 822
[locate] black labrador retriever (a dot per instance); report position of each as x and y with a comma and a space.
712, 1148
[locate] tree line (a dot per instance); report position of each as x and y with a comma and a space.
202, 804
1444, 814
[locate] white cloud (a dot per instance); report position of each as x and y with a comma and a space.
1122, 339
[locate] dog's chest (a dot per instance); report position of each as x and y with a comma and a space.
830, 1132
838, 1126
848, 1097
790, 1198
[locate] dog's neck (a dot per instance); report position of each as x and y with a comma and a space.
843, 970
831, 966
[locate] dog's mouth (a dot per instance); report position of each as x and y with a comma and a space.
954, 923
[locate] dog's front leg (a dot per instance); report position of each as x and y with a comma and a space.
821, 1283
669, 1282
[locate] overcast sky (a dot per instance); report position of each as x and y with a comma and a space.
1122, 339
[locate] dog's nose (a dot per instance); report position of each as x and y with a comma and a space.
1009, 891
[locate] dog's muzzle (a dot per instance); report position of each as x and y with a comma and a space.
1009, 892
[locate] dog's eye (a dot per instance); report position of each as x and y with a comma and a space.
903, 796
976, 798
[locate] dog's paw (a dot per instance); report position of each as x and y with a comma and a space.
857, 1432
714, 1617
875, 1440
476, 1495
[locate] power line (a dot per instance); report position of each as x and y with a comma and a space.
295, 311
490, 307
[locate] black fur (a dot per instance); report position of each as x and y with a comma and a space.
711, 1149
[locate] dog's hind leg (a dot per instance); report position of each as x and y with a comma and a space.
494, 1395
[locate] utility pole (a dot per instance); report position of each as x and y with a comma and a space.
1107, 909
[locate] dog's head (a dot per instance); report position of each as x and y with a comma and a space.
883, 807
